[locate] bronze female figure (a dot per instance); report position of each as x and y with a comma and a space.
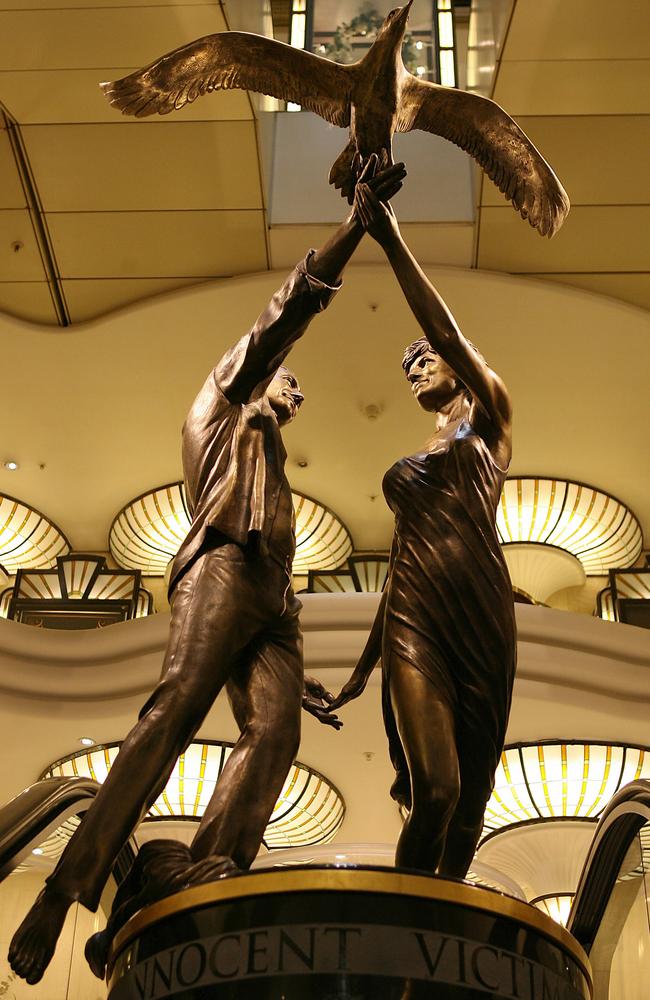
445, 627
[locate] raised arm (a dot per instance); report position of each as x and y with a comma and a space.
435, 319
247, 368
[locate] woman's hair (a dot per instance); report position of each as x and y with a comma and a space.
421, 346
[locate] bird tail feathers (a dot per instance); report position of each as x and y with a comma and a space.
344, 172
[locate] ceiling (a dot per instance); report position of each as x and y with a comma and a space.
122, 210
576, 76
93, 215
113, 220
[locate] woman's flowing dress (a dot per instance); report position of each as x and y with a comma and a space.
449, 608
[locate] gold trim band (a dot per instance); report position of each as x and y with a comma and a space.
264, 883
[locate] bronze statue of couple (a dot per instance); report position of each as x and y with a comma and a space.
444, 631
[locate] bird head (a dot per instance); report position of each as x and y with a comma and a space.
395, 23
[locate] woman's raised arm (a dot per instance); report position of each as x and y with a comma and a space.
431, 312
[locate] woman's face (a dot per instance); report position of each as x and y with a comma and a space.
433, 382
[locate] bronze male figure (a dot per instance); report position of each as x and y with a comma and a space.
234, 623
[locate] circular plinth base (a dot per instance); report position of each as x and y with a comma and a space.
319, 933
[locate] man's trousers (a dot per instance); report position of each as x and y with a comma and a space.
234, 622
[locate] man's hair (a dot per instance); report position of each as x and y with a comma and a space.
413, 352
421, 346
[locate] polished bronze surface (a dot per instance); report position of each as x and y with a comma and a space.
234, 624
375, 97
305, 879
445, 628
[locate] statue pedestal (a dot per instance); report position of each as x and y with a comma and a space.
327, 933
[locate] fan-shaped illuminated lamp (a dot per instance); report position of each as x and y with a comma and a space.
544, 781
28, 539
80, 593
547, 797
556, 907
322, 540
309, 811
363, 573
554, 532
149, 531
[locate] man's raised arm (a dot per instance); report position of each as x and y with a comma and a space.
245, 370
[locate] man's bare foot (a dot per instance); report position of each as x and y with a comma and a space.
33, 944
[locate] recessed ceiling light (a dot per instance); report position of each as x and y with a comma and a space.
38, 850
87, 741
11, 465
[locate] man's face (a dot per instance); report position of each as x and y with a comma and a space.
284, 395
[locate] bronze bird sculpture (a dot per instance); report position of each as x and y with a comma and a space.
375, 97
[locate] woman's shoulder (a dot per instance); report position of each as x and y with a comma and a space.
497, 441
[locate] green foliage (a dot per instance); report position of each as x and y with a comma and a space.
365, 27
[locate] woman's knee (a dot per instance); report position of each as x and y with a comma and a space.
470, 811
438, 798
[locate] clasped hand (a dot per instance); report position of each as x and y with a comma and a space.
354, 687
317, 701
372, 199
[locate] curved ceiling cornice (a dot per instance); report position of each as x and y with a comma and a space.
576, 77
588, 657
28, 539
593, 526
148, 532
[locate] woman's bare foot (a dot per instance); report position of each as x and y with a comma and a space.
33, 944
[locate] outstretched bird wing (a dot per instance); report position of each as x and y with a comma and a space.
235, 60
486, 132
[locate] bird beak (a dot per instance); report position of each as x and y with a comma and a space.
402, 18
